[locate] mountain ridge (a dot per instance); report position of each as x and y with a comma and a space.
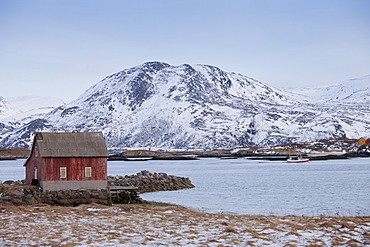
352, 90
158, 105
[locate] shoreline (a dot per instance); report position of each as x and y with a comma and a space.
249, 153
171, 225
262, 156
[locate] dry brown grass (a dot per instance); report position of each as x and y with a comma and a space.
230, 229
127, 225
14, 153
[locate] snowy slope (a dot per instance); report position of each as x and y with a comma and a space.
351, 91
17, 112
32, 102
6, 109
26, 106
18, 108
157, 105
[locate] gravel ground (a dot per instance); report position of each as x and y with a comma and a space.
168, 225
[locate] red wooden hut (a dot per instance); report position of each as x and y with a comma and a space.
62, 161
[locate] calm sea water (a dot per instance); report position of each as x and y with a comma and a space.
241, 186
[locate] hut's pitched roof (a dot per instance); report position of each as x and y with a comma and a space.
83, 144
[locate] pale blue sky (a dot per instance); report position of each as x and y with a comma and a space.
61, 48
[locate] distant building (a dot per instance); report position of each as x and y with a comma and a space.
362, 141
62, 161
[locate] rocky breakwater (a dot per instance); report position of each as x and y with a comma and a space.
18, 193
147, 181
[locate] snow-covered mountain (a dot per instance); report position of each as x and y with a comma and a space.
351, 91
22, 107
156, 105
6, 109
16, 112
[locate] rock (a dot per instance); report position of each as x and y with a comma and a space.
150, 181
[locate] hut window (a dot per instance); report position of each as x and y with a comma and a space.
63, 172
88, 172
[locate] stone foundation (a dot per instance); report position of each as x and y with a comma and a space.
74, 185
28, 195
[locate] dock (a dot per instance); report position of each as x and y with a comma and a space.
119, 193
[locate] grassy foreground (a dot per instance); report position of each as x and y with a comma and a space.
169, 225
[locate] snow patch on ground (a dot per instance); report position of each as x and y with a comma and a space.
133, 225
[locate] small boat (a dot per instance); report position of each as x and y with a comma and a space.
228, 158
299, 159
138, 158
